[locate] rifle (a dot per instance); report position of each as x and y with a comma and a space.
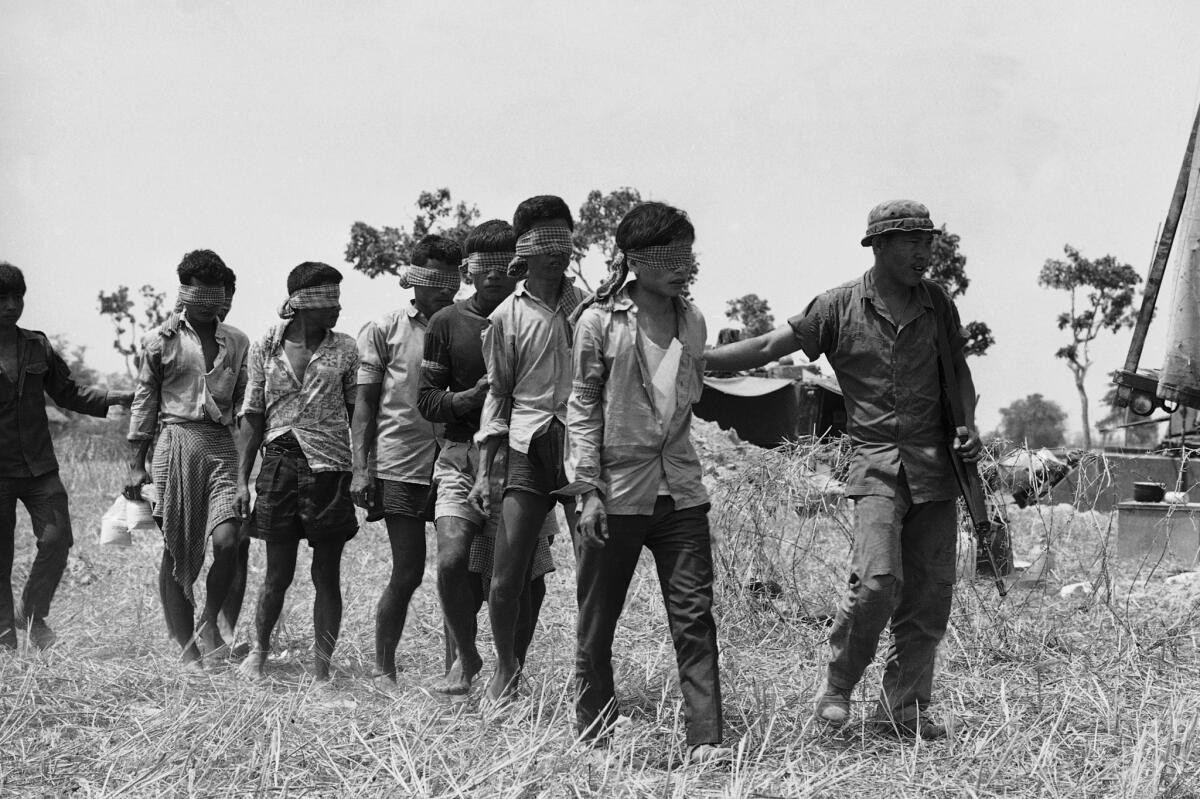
970, 487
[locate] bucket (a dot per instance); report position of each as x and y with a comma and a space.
114, 531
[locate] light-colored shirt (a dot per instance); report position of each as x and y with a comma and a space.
527, 349
312, 410
624, 441
390, 352
663, 365
174, 385
889, 378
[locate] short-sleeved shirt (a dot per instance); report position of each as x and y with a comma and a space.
312, 410
390, 351
453, 362
174, 385
890, 382
527, 349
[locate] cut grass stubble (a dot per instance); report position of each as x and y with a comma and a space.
1089, 696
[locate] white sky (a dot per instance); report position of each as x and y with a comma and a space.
135, 131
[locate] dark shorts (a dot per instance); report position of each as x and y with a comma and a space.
541, 470
397, 498
295, 503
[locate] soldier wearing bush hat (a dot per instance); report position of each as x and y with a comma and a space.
880, 332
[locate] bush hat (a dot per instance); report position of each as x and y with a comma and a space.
895, 216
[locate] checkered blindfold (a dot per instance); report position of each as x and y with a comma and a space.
672, 257
539, 241
325, 296
478, 264
203, 296
412, 275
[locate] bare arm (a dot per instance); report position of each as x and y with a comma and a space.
752, 352
250, 440
364, 427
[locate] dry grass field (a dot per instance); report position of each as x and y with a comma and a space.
1090, 696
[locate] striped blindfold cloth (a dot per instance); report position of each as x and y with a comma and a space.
324, 296
204, 296
675, 257
412, 275
478, 264
539, 241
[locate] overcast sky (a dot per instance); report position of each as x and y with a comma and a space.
135, 131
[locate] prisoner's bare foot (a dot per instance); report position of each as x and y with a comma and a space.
457, 681
705, 754
211, 643
252, 666
503, 685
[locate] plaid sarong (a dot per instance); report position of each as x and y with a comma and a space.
324, 296
539, 241
412, 275
483, 552
478, 264
195, 468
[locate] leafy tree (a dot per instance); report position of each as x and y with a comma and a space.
1139, 434
1035, 420
949, 271
73, 354
382, 251
130, 324
1101, 296
752, 312
596, 226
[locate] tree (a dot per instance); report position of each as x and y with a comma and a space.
382, 251
1101, 297
752, 312
130, 327
948, 270
1035, 420
1136, 431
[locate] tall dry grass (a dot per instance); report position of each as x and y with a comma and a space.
1089, 696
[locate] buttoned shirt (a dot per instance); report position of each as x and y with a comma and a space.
175, 386
889, 377
313, 409
453, 362
390, 352
621, 443
26, 449
527, 349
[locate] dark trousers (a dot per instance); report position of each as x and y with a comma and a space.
679, 540
902, 570
45, 499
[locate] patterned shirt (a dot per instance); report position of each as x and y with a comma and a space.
527, 349
623, 441
314, 410
174, 385
453, 362
390, 352
889, 378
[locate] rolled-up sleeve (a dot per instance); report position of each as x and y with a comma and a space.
816, 328
499, 352
143, 414
372, 355
585, 408
256, 399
